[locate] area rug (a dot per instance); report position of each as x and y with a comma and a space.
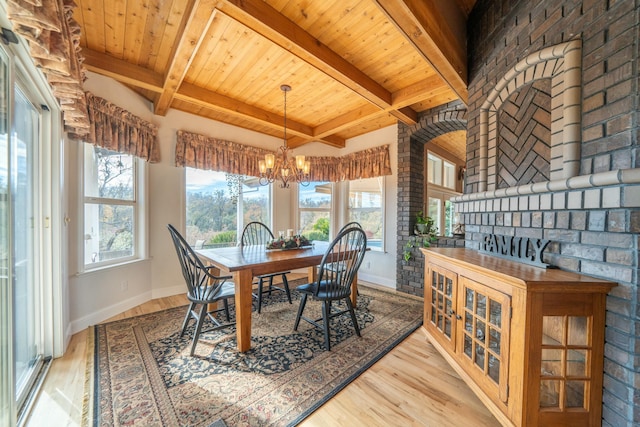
139, 372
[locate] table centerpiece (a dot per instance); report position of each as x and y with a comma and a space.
291, 242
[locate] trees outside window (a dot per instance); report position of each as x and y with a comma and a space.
213, 201
110, 206
314, 210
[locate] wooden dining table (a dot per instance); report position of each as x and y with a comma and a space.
245, 262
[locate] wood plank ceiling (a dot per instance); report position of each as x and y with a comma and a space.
354, 65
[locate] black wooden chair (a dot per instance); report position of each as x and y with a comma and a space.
344, 227
344, 257
349, 225
203, 288
256, 233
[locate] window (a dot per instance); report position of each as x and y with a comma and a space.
434, 169
440, 172
214, 200
111, 210
441, 177
366, 202
314, 210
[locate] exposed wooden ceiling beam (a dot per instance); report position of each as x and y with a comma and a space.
265, 20
437, 31
141, 77
198, 21
122, 71
418, 91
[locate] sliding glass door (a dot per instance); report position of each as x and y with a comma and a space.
7, 397
27, 326
22, 283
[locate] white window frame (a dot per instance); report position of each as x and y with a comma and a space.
443, 166
331, 209
382, 210
139, 204
438, 190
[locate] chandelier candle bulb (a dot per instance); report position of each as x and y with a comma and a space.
307, 167
300, 162
262, 166
270, 161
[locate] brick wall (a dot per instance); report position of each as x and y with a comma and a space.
411, 144
592, 219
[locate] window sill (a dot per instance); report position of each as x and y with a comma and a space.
89, 271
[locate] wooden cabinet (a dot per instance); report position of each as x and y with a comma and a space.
528, 341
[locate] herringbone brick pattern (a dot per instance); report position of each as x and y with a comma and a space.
524, 143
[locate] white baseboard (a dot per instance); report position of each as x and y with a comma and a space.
107, 312
169, 291
376, 280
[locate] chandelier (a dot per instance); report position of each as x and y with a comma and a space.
279, 167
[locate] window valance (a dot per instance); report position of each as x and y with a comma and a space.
116, 129
203, 152
54, 44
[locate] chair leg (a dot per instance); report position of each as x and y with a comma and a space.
226, 309
303, 302
285, 283
326, 316
187, 318
270, 284
353, 316
196, 333
260, 285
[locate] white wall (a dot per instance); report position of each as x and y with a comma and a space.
98, 295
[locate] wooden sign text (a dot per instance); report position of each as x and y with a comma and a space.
522, 249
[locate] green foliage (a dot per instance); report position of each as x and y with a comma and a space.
224, 237
416, 242
317, 235
421, 218
322, 225
425, 225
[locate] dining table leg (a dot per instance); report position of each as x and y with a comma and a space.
354, 291
243, 282
312, 273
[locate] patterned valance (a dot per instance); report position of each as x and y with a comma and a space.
116, 129
369, 163
202, 152
54, 44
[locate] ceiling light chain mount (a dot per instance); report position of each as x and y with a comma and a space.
279, 167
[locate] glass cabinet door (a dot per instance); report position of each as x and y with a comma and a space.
484, 338
566, 357
441, 294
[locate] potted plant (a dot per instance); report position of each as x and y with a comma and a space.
421, 222
425, 225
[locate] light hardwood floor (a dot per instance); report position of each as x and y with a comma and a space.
410, 386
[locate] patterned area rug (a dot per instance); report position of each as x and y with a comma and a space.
140, 372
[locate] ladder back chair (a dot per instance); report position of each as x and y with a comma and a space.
257, 233
337, 271
203, 288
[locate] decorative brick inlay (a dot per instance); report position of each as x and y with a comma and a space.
524, 130
561, 64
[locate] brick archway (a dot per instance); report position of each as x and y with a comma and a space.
411, 140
